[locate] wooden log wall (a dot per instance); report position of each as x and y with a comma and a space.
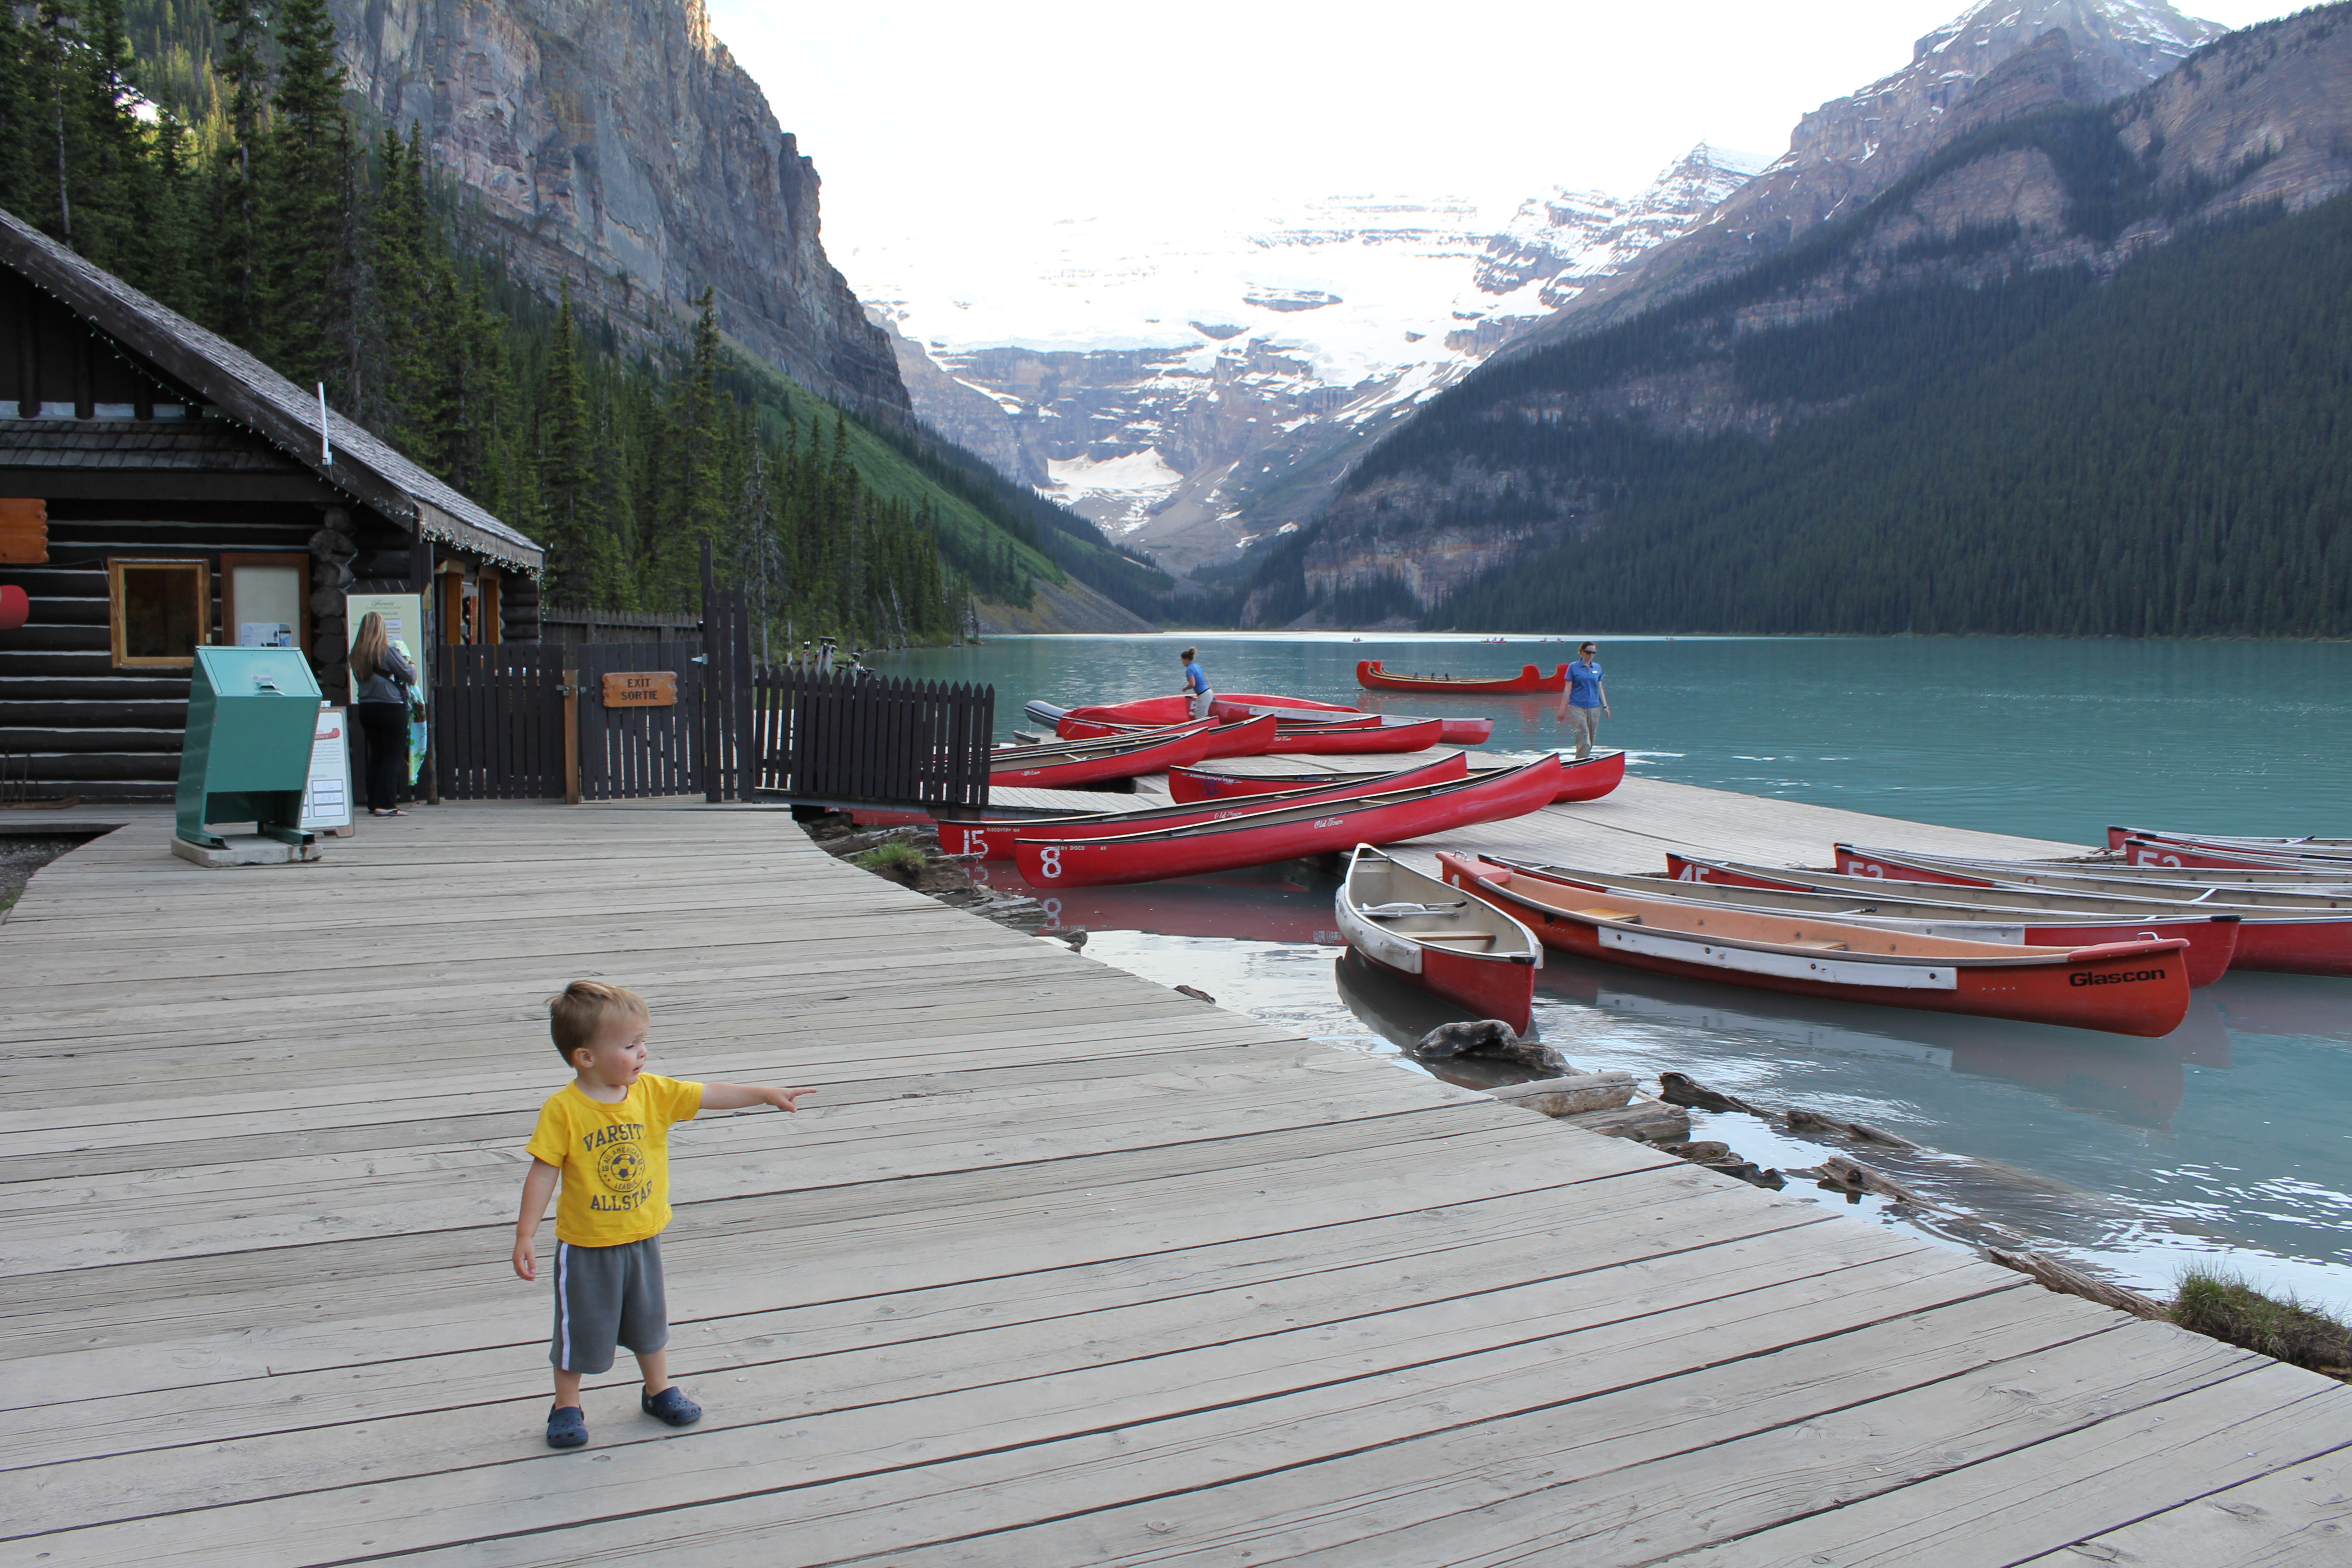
70, 721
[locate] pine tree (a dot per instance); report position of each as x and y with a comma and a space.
308, 177
566, 460
19, 106
237, 205
58, 30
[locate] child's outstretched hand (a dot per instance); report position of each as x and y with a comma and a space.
741, 1096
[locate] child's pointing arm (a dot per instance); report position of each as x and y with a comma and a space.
737, 1096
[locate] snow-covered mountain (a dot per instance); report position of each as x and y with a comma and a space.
1851, 148
1160, 381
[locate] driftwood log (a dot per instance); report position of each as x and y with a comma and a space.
1802, 1120
1855, 1174
2056, 1276
1570, 1096
1678, 1089
1652, 1119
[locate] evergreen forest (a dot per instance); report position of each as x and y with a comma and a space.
213, 157
1984, 448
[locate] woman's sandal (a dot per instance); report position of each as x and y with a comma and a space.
395, 811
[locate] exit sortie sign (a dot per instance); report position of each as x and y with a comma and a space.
641, 688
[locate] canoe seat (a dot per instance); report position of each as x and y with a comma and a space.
1626, 915
1398, 912
1466, 939
1823, 945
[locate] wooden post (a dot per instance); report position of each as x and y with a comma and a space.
420, 569
714, 637
571, 737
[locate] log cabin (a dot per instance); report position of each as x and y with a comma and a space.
159, 488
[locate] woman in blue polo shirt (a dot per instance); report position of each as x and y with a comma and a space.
1196, 684
1588, 700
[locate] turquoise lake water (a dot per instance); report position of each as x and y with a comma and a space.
2229, 1140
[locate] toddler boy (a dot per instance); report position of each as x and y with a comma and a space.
607, 1133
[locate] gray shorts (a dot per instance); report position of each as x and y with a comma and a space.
606, 1296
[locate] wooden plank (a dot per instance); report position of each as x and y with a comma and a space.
2296, 1515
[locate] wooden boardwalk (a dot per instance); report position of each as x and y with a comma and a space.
1057, 1267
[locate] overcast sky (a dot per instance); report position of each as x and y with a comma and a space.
973, 122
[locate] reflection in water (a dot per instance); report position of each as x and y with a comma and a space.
1270, 903
1402, 1012
2138, 1081
2225, 1137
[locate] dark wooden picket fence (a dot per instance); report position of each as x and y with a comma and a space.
496, 719
852, 736
737, 729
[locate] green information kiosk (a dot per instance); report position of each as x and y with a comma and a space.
252, 713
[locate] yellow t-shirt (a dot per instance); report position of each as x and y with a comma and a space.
614, 1158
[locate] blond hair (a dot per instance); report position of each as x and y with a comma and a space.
370, 646
575, 1017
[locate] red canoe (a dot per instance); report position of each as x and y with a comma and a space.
1287, 833
993, 838
1241, 737
1457, 732
1592, 778
2123, 988
2331, 849
1530, 681
2285, 933
1189, 785
1355, 739
1155, 713
2212, 939
2207, 885
2174, 853
2013, 880
1064, 764
1464, 948
1334, 734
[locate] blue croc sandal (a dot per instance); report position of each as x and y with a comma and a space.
567, 1426
671, 1404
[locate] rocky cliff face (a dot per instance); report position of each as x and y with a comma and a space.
1848, 151
617, 144
2263, 115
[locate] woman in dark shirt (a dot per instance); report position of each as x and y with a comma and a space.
380, 703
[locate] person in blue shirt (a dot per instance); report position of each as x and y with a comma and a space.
1196, 684
1588, 700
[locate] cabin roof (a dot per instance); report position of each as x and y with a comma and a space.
211, 446
247, 392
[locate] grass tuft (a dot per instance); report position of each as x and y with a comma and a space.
2223, 1306
898, 859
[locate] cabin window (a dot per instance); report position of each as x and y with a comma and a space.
161, 611
264, 601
